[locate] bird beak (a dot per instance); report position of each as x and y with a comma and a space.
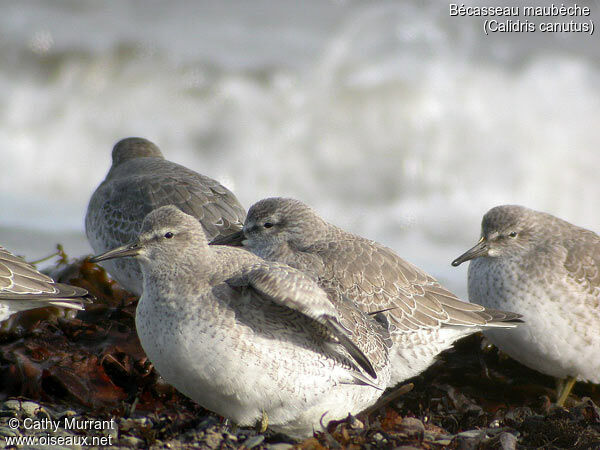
119, 252
480, 249
234, 240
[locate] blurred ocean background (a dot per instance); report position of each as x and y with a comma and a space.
393, 119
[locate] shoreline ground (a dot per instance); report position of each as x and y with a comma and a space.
62, 369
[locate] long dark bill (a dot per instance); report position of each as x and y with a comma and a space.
119, 252
480, 249
233, 240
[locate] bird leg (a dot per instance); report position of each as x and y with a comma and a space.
263, 423
564, 389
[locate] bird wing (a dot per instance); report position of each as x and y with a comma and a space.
377, 279
126, 200
582, 263
291, 288
19, 280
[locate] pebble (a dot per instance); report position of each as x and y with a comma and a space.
471, 434
517, 415
113, 433
280, 446
413, 428
253, 441
495, 423
30, 409
469, 440
6, 431
586, 411
131, 441
504, 441
443, 440
379, 438
213, 439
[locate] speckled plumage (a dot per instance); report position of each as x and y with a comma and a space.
141, 180
548, 270
23, 287
424, 318
241, 335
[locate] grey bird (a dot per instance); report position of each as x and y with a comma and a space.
424, 318
23, 287
548, 270
249, 338
141, 180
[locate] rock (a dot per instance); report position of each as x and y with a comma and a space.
213, 439
31, 408
495, 423
113, 433
516, 416
469, 440
231, 437
280, 446
7, 431
471, 434
413, 428
126, 424
379, 438
253, 441
131, 441
442, 440
14, 405
587, 411
503, 441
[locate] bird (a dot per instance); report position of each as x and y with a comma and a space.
424, 318
248, 338
23, 287
141, 180
547, 270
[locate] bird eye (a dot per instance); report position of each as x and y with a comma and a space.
512, 234
169, 235
268, 225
